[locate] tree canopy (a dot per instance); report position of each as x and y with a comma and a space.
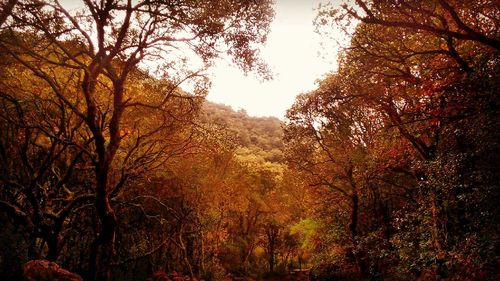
114, 166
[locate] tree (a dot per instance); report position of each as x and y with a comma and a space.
456, 20
126, 35
428, 73
46, 178
332, 140
43, 174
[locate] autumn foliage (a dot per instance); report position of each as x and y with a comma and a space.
388, 170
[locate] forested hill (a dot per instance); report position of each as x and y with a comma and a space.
113, 167
262, 135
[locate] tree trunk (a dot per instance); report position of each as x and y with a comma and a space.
271, 259
272, 234
103, 247
52, 235
202, 262
353, 227
185, 255
53, 247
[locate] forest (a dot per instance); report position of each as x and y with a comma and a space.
114, 166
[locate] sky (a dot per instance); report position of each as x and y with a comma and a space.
294, 54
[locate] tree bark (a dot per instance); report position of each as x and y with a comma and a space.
103, 247
271, 236
353, 226
53, 242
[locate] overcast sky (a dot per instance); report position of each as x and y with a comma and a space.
294, 54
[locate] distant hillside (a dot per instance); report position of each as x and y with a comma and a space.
256, 133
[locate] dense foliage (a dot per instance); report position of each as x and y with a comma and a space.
388, 170
404, 138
